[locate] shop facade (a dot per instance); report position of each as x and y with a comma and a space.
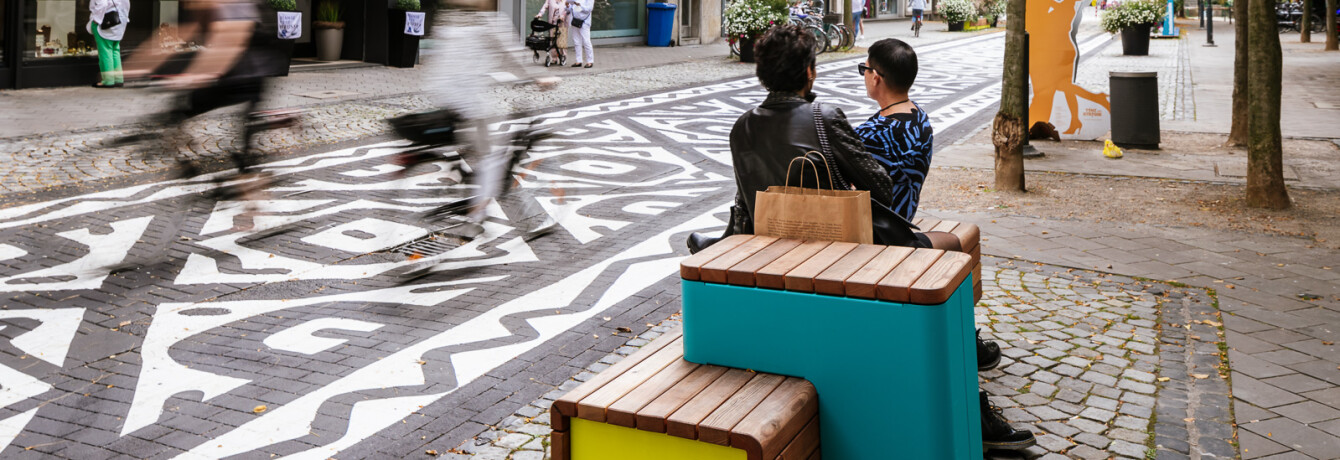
43, 43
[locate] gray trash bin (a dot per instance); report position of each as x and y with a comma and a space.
1135, 109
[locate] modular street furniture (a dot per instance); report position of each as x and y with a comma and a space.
877, 329
771, 326
654, 405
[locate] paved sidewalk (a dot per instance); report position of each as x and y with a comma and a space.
1312, 105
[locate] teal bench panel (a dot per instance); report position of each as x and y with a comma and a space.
894, 380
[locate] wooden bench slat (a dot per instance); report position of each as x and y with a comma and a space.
716, 427
690, 268
684, 421
804, 444
817, 455
652, 417
801, 279
594, 407
831, 280
715, 271
775, 422
969, 235
560, 446
946, 226
624, 411
743, 273
928, 223
939, 282
862, 283
566, 406
896, 285
773, 276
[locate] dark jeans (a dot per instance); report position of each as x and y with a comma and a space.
223, 94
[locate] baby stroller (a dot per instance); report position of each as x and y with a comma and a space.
544, 37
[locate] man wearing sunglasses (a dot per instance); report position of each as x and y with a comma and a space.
899, 135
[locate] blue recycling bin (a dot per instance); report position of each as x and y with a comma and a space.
660, 21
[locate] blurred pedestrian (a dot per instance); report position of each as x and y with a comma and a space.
558, 15
107, 21
580, 13
858, 10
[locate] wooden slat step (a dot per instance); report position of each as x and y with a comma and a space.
715, 271
939, 282
566, 406
773, 276
896, 286
802, 278
595, 407
691, 266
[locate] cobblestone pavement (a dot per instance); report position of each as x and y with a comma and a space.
1089, 360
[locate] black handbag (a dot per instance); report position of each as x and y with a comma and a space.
110, 19
890, 229
577, 22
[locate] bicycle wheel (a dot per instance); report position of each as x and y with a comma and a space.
846, 39
735, 48
820, 38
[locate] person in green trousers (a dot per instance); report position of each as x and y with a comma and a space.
108, 38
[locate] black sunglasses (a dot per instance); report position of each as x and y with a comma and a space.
862, 68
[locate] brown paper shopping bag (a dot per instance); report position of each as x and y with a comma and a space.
813, 214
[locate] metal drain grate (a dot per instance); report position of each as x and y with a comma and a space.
434, 243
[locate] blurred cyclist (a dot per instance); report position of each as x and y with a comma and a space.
238, 53
475, 50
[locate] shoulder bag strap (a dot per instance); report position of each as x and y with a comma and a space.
836, 180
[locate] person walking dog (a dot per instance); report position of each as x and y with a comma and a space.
580, 13
107, 21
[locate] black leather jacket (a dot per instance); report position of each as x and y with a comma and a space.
765, 139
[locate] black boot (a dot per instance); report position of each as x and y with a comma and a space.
988, 353
997, 433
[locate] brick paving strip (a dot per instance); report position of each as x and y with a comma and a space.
1097, 366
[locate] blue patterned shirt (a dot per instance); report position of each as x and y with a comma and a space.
902, 144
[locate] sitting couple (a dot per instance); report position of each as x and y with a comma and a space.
888, 155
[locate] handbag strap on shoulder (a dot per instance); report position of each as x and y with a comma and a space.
835, 178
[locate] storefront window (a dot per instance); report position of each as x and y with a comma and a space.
617, 18
56, 29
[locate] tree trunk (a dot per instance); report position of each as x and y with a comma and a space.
1265, 155
1237, 135
1332, 44
1306, 35
1010, 128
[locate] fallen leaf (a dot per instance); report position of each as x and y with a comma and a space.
259, 409
122, 324
1189, 419
1201, 376
606, 318
624, 329
1214, 323
1327, 343
1164, 379
430, 452
415, 256
422, 362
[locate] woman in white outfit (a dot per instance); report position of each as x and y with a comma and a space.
580, 11
108, 39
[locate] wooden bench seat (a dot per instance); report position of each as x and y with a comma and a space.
656, 405
876, 329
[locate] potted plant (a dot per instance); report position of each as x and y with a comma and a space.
994, 9
403, 47
957, 12
289, 20
745, 20
1133, 18
329, 30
